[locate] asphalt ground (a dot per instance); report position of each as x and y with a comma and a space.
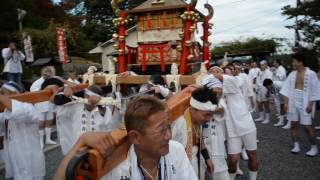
275, 160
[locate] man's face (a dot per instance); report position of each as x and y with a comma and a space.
253, 64
215, 71
12, 46
155, 139
296, 64
228, 71
269, 87
237, 71
200, 117
263, 67
275, 64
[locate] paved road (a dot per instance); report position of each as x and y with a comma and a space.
275, 160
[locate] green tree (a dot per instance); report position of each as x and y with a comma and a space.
250, 46
98, 17
308, 17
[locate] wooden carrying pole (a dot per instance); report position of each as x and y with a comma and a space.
141, 79
93, 166
38, 96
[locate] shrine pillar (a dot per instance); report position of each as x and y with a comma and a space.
120, 39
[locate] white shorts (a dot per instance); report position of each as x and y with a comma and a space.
262, 94
300, 116
45, 116
224, 175
249, 141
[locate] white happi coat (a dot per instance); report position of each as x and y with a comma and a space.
180, 166
279, 76
214, 135
253, 73
45, 106
240, 122
24, 158
266, 74
311, 89
246, 88
179, 131
73, 120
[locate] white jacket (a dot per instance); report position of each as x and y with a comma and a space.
22, 152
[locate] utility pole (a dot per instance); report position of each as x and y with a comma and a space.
297, 35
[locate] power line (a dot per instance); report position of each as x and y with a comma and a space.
233, 2
244, 23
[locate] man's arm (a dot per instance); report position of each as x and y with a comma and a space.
101, 141
6, 102
6, 54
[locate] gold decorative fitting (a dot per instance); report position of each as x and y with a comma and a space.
188, 43
115, 46
192, 28
115, 36
121, 38
179, 48
121, 51
183, 16
190, 57
181, 35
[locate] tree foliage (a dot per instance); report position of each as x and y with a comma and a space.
308, 17
250, 46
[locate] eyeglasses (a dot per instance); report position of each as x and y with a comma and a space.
163, 130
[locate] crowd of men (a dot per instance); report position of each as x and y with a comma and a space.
206, 141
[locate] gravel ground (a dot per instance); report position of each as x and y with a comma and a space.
275, 160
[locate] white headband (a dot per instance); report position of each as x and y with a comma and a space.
208, 106
10, 88
211, 82
216, 67
90, 93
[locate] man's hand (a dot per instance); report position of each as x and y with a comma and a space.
210, 166
219, 111
101, 141
124, 74
67, 91
309, 107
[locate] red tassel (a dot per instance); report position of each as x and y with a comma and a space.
149, 23
144, 58
164, 21
172, 23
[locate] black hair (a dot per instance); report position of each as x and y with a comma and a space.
157, 80
204, 94
213, 65
299, 57
277, 61
52, 81
267, 82
139, 110
96, 89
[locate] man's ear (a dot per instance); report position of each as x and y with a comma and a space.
134, 137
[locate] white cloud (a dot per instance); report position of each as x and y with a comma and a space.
240, 19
